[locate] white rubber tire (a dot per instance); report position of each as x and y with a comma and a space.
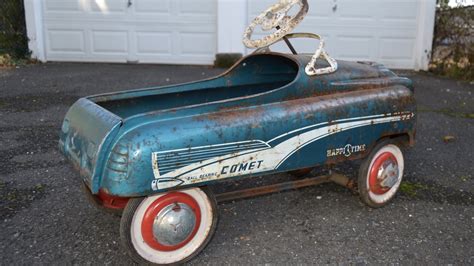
141, 252
367, 196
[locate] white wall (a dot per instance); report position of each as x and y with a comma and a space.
34, 28
231, 22
234, 15
397, 33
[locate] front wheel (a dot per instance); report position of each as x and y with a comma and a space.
169, 228
380, 174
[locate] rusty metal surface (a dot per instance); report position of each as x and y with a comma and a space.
238, 124
285, 186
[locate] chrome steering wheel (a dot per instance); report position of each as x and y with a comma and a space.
276, 16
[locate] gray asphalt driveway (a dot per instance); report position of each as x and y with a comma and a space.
45, 218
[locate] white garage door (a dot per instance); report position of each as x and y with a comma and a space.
144, 31
385, 31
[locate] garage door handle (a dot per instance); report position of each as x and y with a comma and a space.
129, 4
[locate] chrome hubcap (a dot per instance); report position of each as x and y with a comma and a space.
388, 174
173, 224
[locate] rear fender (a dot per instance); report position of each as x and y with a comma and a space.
86, 133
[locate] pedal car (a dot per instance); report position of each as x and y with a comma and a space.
153, 151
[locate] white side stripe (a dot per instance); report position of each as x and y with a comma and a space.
320, 124
213, 145
320, 133
268, 158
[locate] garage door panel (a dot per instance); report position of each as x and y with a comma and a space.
198, 29
356, 24
110, 42
196, 43
152, 6
396, 48
398, 9
62, 6
320, 8
154, 43
197, 8
108, 6
377, 30
66, 41
408, 33
349, 9
256, 7
354, 47
152, 31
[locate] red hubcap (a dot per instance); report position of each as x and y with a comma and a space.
173, 198
376, 177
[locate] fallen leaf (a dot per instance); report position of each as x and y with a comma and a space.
448, 138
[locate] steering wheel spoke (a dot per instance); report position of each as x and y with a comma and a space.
275, 15
311, 69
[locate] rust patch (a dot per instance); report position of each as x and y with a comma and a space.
230, 115
331, 99
285, 186
264, 190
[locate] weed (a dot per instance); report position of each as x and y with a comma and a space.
411, 189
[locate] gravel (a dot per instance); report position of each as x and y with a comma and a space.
45, 218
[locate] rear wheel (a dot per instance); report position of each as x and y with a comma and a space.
168, 228
380, 174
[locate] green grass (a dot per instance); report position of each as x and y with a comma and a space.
411, 189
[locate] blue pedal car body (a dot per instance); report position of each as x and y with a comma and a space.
263, 116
